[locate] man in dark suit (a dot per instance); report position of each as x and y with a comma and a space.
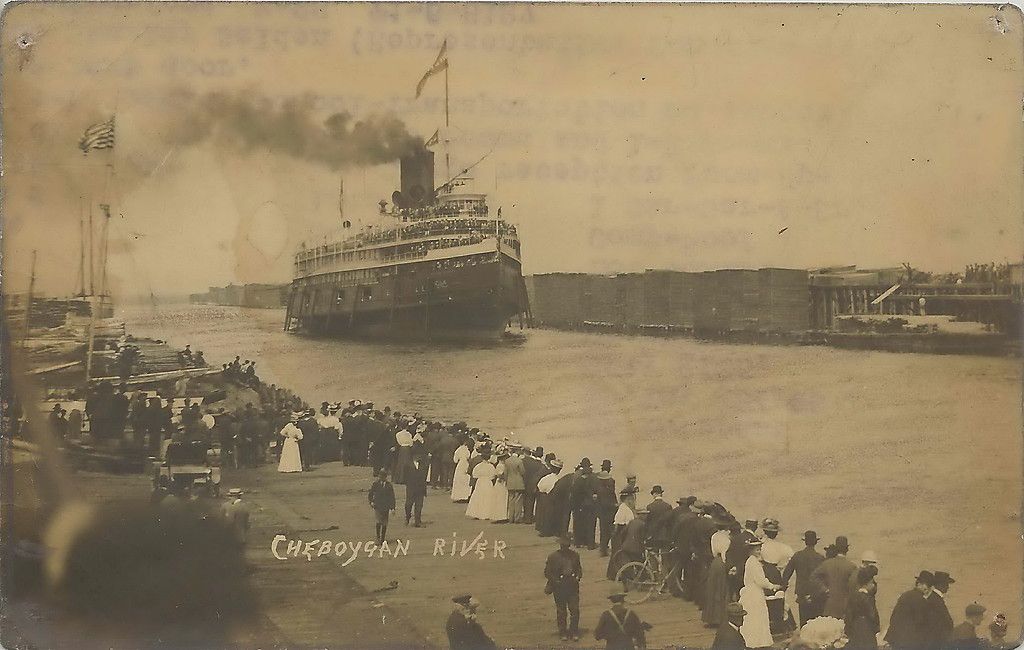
803, 563
682, 521
464, 632
940, 623
560, 503
415, 489
833, 577
607, 504
584, 506
908, 623
533, 470
728, 636
658, 511
702, 528
620, 627
563, 572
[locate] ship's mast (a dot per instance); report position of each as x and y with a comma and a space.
447, 158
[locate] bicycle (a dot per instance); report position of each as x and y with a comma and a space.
641, 580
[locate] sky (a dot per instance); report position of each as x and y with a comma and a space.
617, 138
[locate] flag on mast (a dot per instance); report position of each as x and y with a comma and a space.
440, 64
434, 139
98, 136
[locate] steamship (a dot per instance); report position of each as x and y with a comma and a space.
445, 268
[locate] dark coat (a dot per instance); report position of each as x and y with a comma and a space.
861, 622
728, 638
533, 471
659, 512
965, 637
833, 575
466, 634
563, 571
382, 496
416, 479
940, 623
803, 563
908, 623
620, 629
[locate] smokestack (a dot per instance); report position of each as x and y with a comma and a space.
418, 176
341, 198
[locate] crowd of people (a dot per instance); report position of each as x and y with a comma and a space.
736, 572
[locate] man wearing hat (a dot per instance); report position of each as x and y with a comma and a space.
803, 563
464, 632
584, 506
908, 623
728, 636
533, 470
563, 572
658, 512
607, 505
833, 577
620, 627
681, 531
940, 623
965, 635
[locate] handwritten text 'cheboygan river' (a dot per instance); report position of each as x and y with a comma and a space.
283, 548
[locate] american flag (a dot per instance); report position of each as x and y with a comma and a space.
98, 136
440, 64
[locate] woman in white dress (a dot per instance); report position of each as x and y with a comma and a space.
290, 461
499, 496
756, 630
460, 481
483, 494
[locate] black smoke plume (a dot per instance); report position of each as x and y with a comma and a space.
250, 122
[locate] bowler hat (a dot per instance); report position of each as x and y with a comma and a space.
734, 609
606, 465
925, 577
842, 544
462, 599
657, 490
942, 580
810, 537
585, 462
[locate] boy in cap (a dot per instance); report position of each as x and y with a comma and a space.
620, 627
382, 501
965, 635
728, 636
563, 572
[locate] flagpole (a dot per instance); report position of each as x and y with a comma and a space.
447, 157
92, 265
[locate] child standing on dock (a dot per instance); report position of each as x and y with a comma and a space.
382, 501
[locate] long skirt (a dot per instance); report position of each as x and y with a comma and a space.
481, 502
541, 512
755, 630
515, 506
716, 593
291, 461
460, 484
615, 559
499, 502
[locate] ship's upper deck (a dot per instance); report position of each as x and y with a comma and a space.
455, 220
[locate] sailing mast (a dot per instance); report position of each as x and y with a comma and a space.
81, 249
28, 298
104, 289
447, 124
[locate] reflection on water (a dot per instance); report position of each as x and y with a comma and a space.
916, 457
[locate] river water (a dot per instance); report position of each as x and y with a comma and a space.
916, 457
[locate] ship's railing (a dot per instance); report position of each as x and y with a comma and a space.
419, 230
412, 252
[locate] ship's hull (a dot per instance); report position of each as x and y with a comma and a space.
466, 298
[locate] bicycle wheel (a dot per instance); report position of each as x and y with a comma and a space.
637, 581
